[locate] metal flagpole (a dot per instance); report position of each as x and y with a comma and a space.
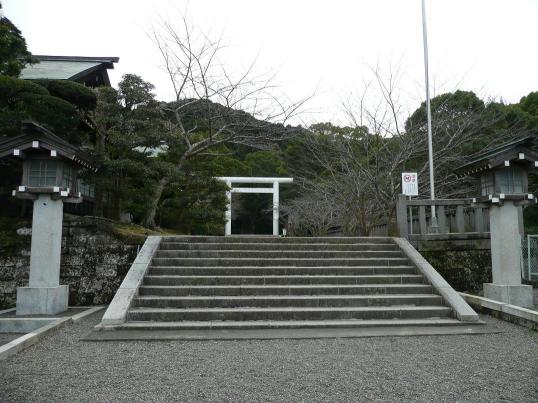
429, 113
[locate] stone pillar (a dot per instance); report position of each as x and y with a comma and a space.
506, 229
45, 295
228, 215
276, 207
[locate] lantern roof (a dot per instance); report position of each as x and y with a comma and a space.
36, 137
519, 151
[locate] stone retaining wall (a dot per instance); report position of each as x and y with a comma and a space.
464, 266
95, 258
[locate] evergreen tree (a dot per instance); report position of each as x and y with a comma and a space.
13, 52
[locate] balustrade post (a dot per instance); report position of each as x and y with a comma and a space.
422, 220
442, 219
479, 220
460, 219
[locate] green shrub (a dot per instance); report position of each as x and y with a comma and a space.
70, 91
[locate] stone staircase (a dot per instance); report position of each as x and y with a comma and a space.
238, 282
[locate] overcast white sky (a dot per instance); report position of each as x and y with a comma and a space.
488, 46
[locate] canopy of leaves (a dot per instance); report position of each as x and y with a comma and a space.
13, 52
22, 99
77, 94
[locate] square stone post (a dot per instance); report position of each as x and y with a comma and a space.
44, 295
506, 233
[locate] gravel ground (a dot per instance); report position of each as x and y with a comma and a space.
483, 368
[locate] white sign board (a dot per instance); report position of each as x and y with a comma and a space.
410, 183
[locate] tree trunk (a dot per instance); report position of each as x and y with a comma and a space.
98, 207
116, 203
149, 219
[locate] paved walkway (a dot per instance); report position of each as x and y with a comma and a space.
481, 368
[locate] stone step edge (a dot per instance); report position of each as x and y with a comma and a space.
265, 243
167, 238
283, 286
282, 258
382, 285
286, 276
292, 323
282, 297
276, 251
293, 309
281, 267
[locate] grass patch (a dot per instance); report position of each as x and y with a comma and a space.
125, 230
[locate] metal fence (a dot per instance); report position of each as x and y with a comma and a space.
529, 258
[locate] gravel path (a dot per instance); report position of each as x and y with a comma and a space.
483, 368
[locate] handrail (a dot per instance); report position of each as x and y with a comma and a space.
439, 202
117, 310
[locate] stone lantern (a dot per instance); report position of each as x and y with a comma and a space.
49, 178
503, 178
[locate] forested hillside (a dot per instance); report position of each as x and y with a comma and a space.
158, 160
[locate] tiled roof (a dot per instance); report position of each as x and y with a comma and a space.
66, 67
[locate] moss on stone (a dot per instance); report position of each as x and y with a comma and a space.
465, 270
126, 232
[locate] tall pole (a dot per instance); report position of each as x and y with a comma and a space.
428, 112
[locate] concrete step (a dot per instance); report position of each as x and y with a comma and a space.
274, 239
264, 284
277, 271
268, 301
283, 280
278, 246
263, 262
277, 254
287, 324
293, 313
309, 289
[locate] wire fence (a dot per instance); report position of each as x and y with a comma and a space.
529, 258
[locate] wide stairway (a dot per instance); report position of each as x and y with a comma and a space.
196, 283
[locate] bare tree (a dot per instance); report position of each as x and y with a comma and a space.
312, 214
213, 105
361, 166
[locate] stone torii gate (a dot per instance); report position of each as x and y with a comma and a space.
230, 180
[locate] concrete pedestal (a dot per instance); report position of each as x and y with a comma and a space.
520, 295
44, 295
42, 300
506, 228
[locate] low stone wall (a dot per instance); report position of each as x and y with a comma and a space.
95, 258
465, 266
